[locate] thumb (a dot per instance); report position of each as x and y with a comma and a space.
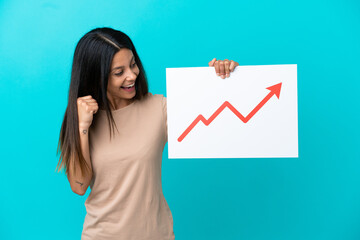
211, 63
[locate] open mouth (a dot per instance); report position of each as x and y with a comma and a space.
129, 86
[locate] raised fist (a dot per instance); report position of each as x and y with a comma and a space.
87, 107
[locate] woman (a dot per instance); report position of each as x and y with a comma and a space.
109, 90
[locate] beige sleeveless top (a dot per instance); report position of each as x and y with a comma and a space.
126, 199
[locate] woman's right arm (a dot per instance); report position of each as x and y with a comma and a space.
87, 107
79, 183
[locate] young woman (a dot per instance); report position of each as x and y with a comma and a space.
108, 91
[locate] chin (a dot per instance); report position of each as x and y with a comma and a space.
129, 95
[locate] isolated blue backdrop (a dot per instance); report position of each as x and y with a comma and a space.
316, 196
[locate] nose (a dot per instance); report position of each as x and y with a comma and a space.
131, 75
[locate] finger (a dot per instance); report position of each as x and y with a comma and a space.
211, 63
217, 68
222, 69
85, 104
233, 64
91, 109
92, 103
227, 65
84, 101
86, 97
95, 110
89, 100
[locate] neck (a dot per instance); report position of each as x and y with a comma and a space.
115, 105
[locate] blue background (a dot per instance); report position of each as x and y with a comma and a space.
316, 196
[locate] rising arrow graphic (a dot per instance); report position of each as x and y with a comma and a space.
274, 90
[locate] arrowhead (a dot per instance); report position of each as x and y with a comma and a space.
275, 89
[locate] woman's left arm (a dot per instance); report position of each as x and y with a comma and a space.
223, 67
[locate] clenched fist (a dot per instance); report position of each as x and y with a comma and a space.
87, 107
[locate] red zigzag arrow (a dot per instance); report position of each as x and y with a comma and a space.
274, 90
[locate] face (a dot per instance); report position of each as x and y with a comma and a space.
122, 77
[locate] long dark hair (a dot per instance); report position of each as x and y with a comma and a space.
89, 76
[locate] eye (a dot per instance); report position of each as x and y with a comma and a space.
118, 73
134, 64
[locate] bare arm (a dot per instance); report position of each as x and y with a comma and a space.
79, 183
87, 107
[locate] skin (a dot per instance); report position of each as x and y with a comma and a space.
223, 67
124, 72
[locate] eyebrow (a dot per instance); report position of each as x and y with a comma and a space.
122, 66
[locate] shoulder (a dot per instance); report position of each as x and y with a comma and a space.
149, 97
154, 101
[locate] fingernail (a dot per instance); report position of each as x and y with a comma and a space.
218, 74
227, 75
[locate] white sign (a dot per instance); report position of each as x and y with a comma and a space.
251, 114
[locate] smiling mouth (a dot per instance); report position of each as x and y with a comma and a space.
129, 86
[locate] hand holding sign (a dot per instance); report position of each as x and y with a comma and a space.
223, 68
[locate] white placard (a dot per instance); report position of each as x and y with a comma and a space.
251, 114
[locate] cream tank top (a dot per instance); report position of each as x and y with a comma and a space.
126, 199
